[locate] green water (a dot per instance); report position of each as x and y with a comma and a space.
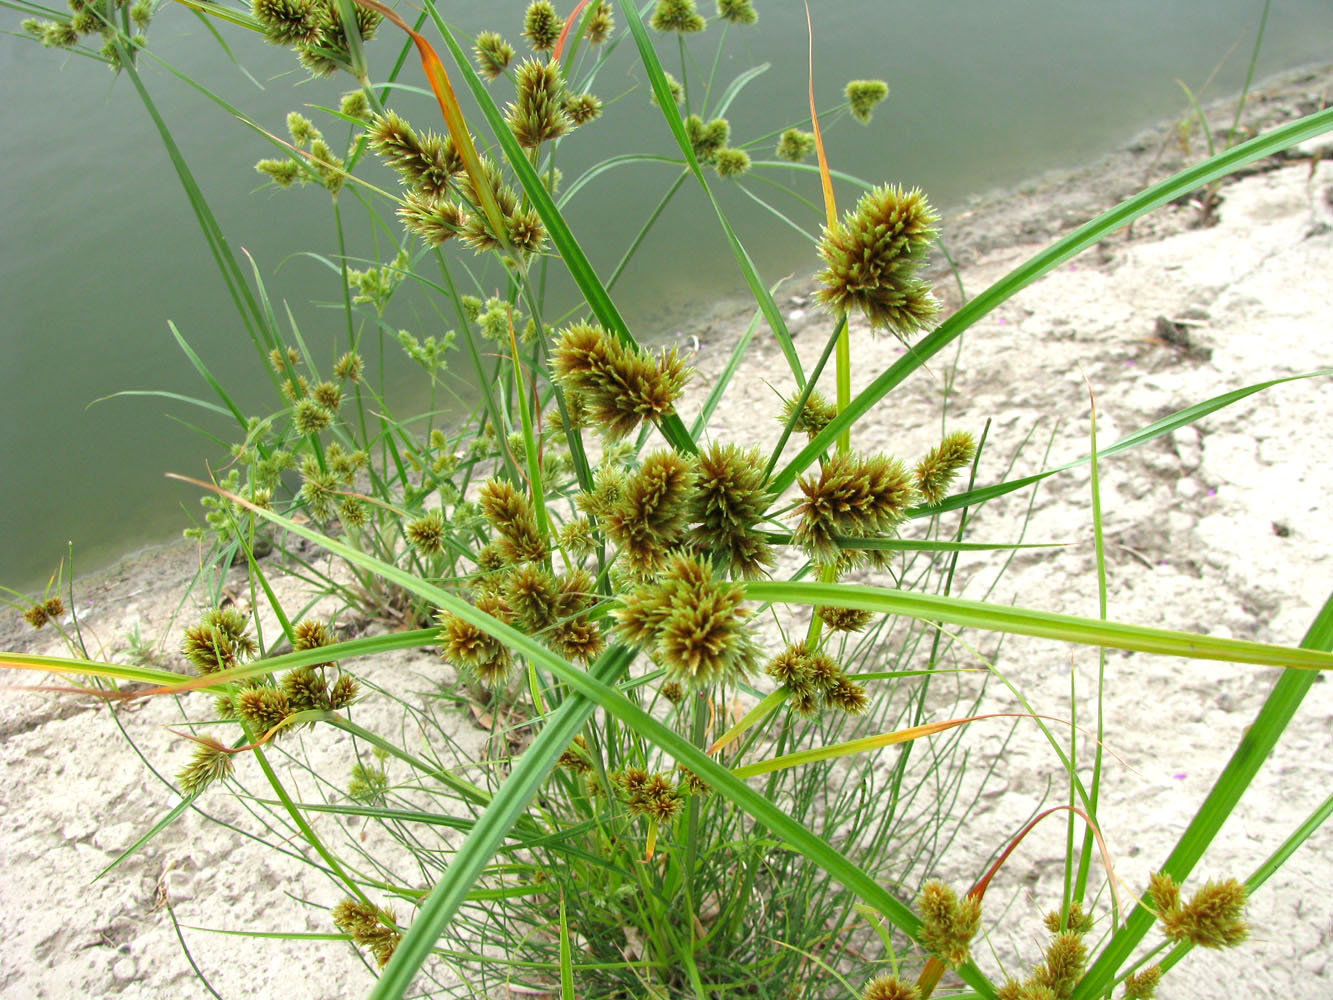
101, 248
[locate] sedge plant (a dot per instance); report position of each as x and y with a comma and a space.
688, 649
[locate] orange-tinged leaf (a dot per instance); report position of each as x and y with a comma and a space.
825, 178
569, 26
453, 117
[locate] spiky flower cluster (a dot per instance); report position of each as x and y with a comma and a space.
93, 17
731, 162
219, 642
49, 610
677, 15
538, 112
600, 23
1142, 985
576, 757
691, 623
949, 924
427, 533
795, 145
473, 649
651, 795
729, 501
854, 497
936, 470
863, 95
554, 608
707, 139
541, 26
812, 677
372, 927
315, 29
1066, 958
872, 258
428, 164
1213, 918
814, 416
845, 619
648, 518
444, 200
211, 762
620, 386
737, 11
889, 987
321, 165
493, 53
511, 515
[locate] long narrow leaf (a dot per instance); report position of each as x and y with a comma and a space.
1042, 624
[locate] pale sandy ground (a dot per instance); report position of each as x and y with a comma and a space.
1223, 528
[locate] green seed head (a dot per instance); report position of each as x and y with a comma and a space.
541, 26
493, 54
677, 15
863, 95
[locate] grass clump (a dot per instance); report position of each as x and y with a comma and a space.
685, 650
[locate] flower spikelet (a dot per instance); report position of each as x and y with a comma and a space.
729, 501
541, 26
859, 497
533, 596
511, 514
263, 708
310, 417
1066, 958
651, 795
1213, 918
471, 649
575, 635
873, 255
435, 220
731, 162
949, 924
344, 692
796, 145
576, 757
651, 516
1079, 919
863, 95
290, 22
582, 108
211, 762
620, 385
1142, 985
427, 533
692, 623
815, 415
601, 23
493, 54
845, 619
538, 113
737, 11
219, 642
936, 470
427, 163
677, 15
370, 926
889, 988
36, 616
707, 139
306, 688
